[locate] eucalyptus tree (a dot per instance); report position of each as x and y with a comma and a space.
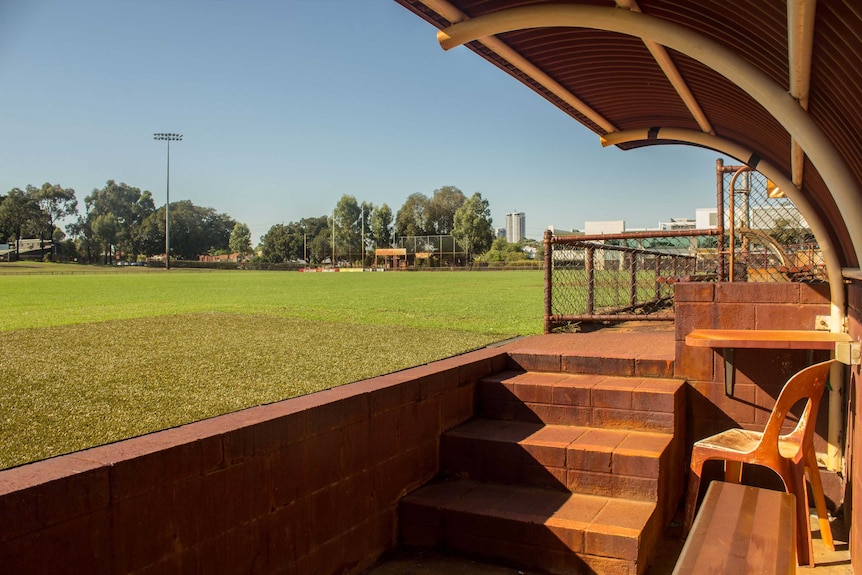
55, 203
413, 218
380, 222
441, 210
120, 210
473, 225
19, 215
347, 226
240, 240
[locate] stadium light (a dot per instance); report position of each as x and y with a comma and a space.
169, 138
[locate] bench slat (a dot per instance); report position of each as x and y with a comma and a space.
741, 529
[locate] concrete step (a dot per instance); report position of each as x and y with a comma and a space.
588, 400
548, 530
603, 352
609, 462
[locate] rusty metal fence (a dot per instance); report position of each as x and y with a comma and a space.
765, 237
756, 235
623, 276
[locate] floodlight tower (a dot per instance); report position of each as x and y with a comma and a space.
169, 138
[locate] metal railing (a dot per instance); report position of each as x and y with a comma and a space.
765, 238
623, 277
758, 236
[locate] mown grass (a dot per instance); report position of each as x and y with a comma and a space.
95, 358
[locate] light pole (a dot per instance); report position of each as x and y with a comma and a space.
169, 138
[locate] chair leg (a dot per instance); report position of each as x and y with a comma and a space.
733, 471
794, 479
691, 496
819, 499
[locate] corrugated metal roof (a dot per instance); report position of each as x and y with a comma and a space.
616, 76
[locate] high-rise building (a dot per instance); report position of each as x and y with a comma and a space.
516, 227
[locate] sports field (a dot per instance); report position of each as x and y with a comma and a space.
91, 357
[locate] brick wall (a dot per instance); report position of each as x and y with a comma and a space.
307, 485
760, 374
854, 431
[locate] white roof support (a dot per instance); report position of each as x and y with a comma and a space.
800, 42
721, 145
833, 268
670, 70
840, 182
454, 15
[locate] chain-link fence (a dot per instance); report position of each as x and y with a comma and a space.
624, 276
756, 235
765, 238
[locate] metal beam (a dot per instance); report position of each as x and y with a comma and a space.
800, 42
454, 15
670, 70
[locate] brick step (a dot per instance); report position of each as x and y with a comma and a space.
609, 462
589, 400
603, 352
548, 530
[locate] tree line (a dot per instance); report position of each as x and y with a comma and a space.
120, 221
355, 229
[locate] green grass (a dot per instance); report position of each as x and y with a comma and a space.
502, 303
91, 358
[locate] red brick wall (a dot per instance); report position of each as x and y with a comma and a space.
854, 432
307, 485
760, 374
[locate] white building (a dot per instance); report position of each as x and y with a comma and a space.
516, 227
597, 228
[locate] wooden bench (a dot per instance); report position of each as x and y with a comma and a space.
741, 529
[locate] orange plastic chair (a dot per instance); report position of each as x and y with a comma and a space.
788, 455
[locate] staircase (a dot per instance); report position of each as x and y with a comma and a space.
562, 472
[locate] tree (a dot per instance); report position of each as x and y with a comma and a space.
19, 214
413, 217
441, 209
317, 237
240, 240
381, 226
195, 230
129, 207
346, 220
504, 251
106, 232
282, 243
472, 225
55, 203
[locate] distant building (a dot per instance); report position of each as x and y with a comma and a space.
706, 218
501, 232
677, 224
604, 227
516, 227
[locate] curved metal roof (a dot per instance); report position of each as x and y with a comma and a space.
714, 73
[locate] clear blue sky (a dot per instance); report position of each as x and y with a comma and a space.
287, 105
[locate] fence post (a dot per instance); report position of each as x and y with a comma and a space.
719, 203
657, 275
633, 279
589, 264
549, 248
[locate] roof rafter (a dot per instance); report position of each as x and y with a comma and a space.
800, 42
454, 15
670, 70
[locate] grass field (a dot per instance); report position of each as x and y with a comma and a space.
93, 357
